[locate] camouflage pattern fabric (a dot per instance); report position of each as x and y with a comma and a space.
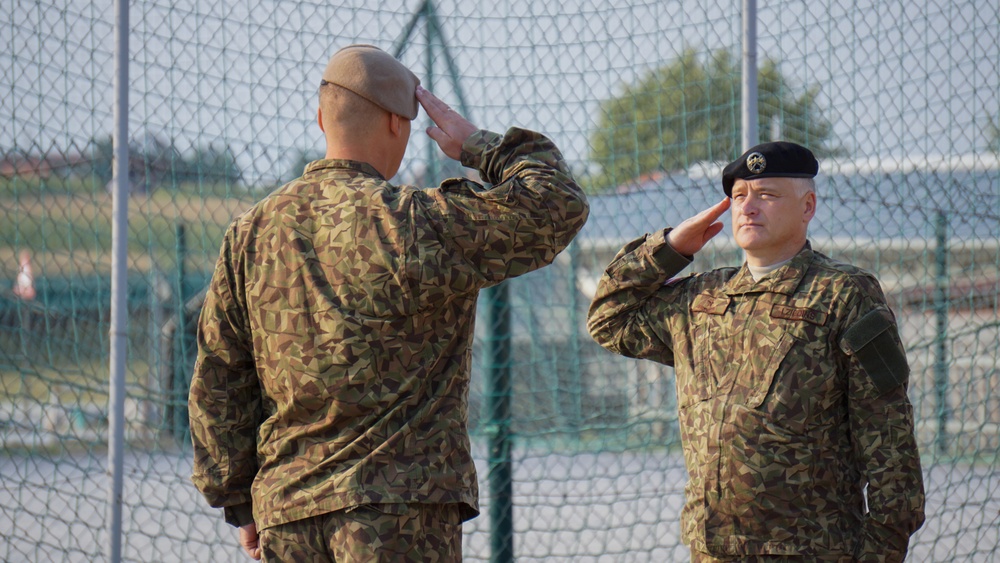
334, 344
781, 429
379, 533
698, 557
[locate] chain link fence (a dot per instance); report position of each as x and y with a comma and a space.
900, 99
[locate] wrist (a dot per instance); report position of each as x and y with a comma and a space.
672, 246
239, 515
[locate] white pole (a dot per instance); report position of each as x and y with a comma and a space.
119, 281
750, 135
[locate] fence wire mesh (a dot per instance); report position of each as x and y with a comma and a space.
901, 100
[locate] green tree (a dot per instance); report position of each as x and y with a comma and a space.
154, 162
210, 164
300, 158
148, 160
101, 158
994, 133
689, 111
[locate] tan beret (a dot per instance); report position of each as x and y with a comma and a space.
376, 76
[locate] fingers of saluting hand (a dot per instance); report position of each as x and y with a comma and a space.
435, 108
450, 129
710, 215
442, 115
707, 217
449, 120
688, 237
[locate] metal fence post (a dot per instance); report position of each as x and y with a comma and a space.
181, 344
941, 332
498, 412
119, 285
749, 101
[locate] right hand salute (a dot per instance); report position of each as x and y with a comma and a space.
450, 130
692, 234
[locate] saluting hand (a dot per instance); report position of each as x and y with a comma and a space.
451, 128
692, 234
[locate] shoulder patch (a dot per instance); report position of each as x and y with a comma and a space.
874, 341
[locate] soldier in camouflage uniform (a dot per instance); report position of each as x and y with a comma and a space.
329, 402
791, 378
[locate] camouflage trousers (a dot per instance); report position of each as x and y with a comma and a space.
369, 534
699, 557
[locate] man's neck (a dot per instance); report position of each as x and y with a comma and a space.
760, 272
358, 154
758, 260
761, 266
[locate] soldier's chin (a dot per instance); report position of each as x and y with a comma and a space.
749, 241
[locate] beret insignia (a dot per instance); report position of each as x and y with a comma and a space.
756, 163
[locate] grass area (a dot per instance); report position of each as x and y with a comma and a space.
67, 364
69, 231
61, 357
63, 383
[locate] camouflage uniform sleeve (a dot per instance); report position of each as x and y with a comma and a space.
620, 317
532, 212
225, 400
881, 419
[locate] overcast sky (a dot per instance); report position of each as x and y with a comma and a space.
899, 79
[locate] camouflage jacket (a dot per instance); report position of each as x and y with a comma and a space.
782, 425
335, 340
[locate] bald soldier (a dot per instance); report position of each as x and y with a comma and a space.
329, 402
791, 378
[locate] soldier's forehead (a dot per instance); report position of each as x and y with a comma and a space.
771, 183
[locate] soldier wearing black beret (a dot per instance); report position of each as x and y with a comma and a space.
791, 376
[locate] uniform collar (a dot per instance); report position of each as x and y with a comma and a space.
341, 164
783, 280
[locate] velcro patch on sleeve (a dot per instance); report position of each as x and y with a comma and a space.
875, 342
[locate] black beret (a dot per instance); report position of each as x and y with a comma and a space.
779, 159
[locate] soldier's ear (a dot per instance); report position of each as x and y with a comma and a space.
810, 209
319, 119
394, 124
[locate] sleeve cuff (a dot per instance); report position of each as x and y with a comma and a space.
474, 147
239, 515
665, 256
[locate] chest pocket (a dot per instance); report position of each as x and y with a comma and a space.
793, 381
698, 380
759, 361
762, 381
